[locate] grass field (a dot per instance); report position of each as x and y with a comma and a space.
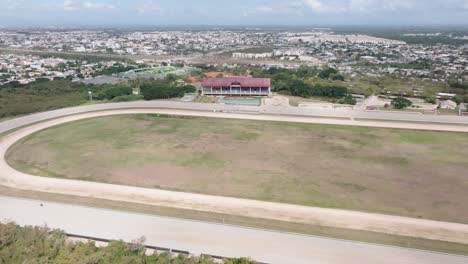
402, 172
382, 85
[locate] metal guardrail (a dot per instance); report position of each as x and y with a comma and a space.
169, 250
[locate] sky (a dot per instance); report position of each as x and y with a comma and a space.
232, 12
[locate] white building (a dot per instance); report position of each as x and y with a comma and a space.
448, 104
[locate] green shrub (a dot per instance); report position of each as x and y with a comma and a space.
127, 98
401, 103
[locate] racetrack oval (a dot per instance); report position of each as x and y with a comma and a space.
284, 212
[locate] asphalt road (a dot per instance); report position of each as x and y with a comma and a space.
208, 238
326, 113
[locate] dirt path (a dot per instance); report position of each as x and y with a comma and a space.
396, 225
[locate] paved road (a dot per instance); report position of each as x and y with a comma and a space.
26, 120
209, 238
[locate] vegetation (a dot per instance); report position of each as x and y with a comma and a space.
332, 74
43, 95
41, 245
356, 168
302, 89
17, 99
430, 100
401, 103
163, 89
420, 64
303, 81
109, 92
340, 233
459, 88
117, 68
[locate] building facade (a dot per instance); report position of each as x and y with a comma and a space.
236, 86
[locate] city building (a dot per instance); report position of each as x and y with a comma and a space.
236, 86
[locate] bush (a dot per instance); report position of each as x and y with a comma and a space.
430, 100
163, 89
38, 245
401, 103
337, 77
326, 73
128, 98
349, 100
112, 91
19, 99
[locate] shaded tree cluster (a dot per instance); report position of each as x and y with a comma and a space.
164, 89
401, 103
302, 89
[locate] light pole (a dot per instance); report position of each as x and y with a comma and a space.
90, 93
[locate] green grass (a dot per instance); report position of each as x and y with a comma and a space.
400, 172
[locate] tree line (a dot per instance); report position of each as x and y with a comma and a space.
164, 89
299, 82
41, 245
44, 95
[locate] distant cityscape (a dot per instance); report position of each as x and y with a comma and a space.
352, 53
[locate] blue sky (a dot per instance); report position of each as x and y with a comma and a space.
233, 12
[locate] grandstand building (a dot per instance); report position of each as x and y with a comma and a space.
236, 86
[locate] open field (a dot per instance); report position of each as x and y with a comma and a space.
411, 173
376, 85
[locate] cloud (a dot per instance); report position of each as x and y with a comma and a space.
315, 5
265, 9
149, 7
285, 8
12, 4
71, 5
373, 5
357, 6
466, 4
94, 5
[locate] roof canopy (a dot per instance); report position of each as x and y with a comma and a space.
237, 81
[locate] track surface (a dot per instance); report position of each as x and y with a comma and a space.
284, 212
214, 239
365, 118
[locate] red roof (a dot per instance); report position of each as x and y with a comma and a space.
237, 80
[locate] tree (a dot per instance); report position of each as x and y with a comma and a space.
349, 100
458, 99
401, 103
430, 100
300, 88
326, 73
337, 77
109, 93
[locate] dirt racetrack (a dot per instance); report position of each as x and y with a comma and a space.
395, 225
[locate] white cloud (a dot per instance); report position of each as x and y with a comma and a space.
71, 5
315, 5
356, 6
291, 8
265, 9
12, 4
94, 5
149, 7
